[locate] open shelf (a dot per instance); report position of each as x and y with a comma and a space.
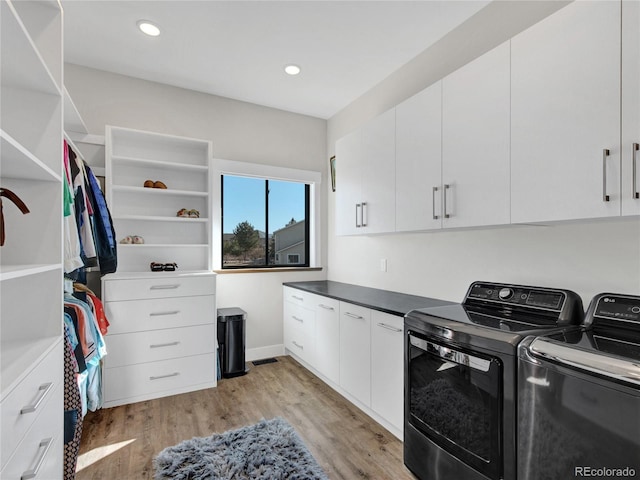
10, 272
19, 163
156, 164
149, 218
158, 191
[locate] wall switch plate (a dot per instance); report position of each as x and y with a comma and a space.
383, 264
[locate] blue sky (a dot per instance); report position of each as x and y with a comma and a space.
244, 199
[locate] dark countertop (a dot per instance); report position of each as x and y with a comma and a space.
394, 303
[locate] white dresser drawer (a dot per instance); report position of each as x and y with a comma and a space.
299, 327
141, 315
151, 379
161, 287
298, 297
38, 392
42, 441
141, 347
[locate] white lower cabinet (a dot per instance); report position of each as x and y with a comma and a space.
299, 331
327, 312
355, 351
162, 337
387, 365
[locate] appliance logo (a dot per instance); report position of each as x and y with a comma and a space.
609, 300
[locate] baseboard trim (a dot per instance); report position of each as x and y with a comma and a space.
259, 353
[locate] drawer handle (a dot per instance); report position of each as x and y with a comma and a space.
297, 298
159, 314
42, 392
389, 327
164, 287
174, 374
353, 315
298, 319
160, 345
46, 443
326, 307
297, 345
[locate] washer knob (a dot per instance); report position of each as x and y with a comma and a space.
505, 293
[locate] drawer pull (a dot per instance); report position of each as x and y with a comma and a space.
353, 315
297, 298
297, 345
42, 392
46, 443
326, 307
298, 319
389, 327
164, 287
160, 314
160, 345
174, 374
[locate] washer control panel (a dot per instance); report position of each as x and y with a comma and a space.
517, 295
618, 307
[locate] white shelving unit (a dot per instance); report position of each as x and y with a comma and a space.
31, 258
184, 166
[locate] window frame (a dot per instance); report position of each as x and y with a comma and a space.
244, 169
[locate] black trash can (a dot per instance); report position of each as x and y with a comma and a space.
231, 341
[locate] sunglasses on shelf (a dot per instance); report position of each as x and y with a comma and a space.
163, 267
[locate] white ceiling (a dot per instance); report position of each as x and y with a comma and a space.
238, 49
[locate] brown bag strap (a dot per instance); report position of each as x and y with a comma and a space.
5, 192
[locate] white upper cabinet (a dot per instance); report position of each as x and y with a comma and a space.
419, 161
475, 145
348, 181
565, 112
630, 107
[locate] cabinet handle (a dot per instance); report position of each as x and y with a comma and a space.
446, 187
164, 287
433, 204
634, 159
326, 307
160, 345
364, 218
297, 345
297, 298
353, 315
46, 443
358, 205
42, 392
160, 314
298, 319
174, 374
605, 154
389, 327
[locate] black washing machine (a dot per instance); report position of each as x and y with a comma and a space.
579, 397
460, 377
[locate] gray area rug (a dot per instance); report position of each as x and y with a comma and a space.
268, 450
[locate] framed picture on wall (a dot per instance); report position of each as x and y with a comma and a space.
332, 165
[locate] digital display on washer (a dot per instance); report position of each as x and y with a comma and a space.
544, 299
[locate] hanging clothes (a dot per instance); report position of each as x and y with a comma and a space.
72, 407
72, 249
83, 209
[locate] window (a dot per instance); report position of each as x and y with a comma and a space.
265, 222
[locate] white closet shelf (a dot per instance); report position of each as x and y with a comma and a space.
22, 65
159, 219
18, 356
158, 191
9, 272
72, 120
18, 162
160, 164
163, 245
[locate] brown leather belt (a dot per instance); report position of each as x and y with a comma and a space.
5, 192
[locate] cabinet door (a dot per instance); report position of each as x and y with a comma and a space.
630, 107
378, 174
355, 351
327, 348
475, 142
348, 181
565, 106
419, 161
387, 367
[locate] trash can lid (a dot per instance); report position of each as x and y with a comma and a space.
230, 312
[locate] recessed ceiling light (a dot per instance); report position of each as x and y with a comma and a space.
149, 28
292, 69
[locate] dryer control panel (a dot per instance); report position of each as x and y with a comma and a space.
617, 307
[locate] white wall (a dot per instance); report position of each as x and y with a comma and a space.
586, 257
240, 131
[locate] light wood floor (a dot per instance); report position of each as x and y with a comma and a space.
345, 442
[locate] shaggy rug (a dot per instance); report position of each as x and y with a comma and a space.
268, 450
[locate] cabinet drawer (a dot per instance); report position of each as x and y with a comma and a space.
42, 440
141, 347
142, 315
161, 287
298, 297
299, 331
39, 391
153, 378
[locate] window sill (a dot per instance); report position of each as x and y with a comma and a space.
268, 270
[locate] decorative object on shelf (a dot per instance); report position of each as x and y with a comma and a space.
127, 240
137, 240
5, 192
156, 184
163, 267
148, 184
183, 212
193, 213
332, 165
